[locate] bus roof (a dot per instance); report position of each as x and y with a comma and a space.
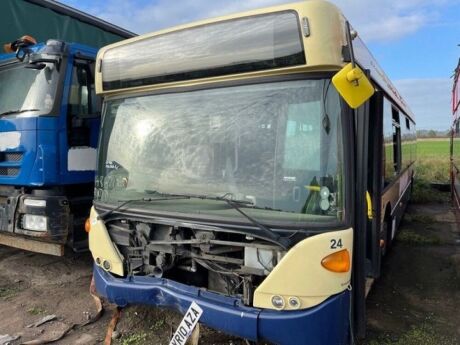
320, 30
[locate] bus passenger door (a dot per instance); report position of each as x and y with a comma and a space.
375, 184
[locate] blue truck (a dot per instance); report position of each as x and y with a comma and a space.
49, 124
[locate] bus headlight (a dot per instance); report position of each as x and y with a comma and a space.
278, 302
294, 302
35, 223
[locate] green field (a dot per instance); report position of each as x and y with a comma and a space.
433, 160
429, 148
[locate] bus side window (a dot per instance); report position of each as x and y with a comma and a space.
396, 142
388, 152
405, 142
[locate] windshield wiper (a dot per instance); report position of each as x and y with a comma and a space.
9, 112
236, 204
242, 203
102, 216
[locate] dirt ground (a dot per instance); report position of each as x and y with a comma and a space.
417, 298
33, 286
416, 301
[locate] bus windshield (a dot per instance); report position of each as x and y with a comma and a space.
24, 90
277, 145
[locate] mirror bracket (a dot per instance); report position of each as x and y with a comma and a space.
39, 62
353, 85
351, 82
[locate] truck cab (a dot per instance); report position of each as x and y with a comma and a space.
49, 124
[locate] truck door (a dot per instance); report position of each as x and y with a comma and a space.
83, 118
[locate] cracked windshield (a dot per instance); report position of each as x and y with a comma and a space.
276, 145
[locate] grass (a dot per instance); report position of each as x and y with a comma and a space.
410, 237
432, 166
134, 339
433, 160
36, 311
436, 147
434, 170
423, 192
420, 218
157, 325
8, 291
419, 335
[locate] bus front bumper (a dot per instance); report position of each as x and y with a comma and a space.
327, 323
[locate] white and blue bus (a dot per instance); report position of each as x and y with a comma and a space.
256, 164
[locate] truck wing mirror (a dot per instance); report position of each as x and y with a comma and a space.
352, 84
22, 52
38, 66
39, 62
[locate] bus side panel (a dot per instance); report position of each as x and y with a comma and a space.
389, 198
455, 167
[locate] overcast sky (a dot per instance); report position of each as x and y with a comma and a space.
415, 41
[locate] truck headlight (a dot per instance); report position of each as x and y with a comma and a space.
35, 202
33, 222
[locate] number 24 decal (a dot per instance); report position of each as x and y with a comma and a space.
336, 243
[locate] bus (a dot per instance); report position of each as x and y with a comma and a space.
256, 166
455, 139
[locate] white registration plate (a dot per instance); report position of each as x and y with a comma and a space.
187, 325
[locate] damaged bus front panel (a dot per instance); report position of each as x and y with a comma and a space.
232, 190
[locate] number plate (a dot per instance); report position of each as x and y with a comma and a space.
187, 325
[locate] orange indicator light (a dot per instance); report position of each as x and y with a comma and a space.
337, 262
87, 225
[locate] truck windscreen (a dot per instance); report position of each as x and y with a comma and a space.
276, 145
27, 91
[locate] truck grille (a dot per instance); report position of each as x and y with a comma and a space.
9, 171
13, 157
10, 156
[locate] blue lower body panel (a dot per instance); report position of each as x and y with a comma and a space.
325, 324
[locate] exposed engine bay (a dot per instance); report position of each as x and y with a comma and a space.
229, 263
